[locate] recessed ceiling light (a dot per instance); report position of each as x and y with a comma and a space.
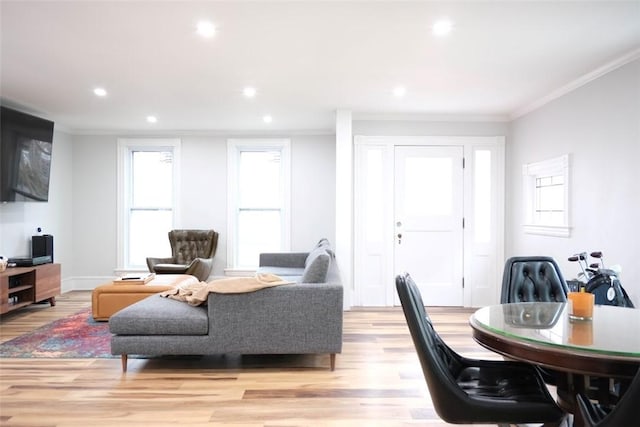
206, 29
442, 28
249, 91
152, 119
267, 119
100, 91
399, 91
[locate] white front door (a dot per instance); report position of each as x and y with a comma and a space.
428, 215
419, 182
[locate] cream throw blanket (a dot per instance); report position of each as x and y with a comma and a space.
197, 293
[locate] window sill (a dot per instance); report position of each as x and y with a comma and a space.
548, 230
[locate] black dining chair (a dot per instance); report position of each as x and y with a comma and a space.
469, 391
531, 279
624, 413
539, 279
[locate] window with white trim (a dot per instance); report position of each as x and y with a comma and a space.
258, 199
546, 189
147, 194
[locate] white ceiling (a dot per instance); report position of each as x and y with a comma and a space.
305, 58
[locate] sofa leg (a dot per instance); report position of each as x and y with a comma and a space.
332, 358
124, 362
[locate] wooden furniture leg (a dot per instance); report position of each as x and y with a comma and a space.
124, 362
332, 358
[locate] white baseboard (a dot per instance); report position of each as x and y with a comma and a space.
84, 283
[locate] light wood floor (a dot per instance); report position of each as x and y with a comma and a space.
377, 381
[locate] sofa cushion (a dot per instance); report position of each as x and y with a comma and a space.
282, 271
324, 244
155, 315
316, 270
322, 247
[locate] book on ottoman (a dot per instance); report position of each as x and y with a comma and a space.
134, 279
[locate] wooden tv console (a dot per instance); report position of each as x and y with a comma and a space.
21, 286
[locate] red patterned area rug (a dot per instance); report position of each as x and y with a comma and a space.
76, 336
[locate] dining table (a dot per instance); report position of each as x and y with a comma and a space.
577, 351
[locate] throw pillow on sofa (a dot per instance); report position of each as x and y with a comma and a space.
324, 244
316, 267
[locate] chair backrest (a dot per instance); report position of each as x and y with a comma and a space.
440, 364
187, 245
533, 278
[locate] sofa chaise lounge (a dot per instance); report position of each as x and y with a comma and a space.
297, 318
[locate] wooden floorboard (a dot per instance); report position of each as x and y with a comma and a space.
377, 381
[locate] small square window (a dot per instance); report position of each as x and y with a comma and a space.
546, 189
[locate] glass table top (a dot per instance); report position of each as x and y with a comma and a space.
613, 331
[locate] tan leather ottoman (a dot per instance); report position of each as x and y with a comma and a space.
109, 298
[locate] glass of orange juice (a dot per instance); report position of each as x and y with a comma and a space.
581, 305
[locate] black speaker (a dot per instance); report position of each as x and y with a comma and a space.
42, 246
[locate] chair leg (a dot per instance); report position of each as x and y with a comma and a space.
332, 358
123, 358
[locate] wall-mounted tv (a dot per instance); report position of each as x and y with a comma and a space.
25, 156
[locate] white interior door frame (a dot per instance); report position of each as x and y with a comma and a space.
483, 254
428, 201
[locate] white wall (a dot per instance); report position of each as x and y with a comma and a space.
20, 220
313, 199
429, 128
203, 197
599, 126
94, 206
203, 190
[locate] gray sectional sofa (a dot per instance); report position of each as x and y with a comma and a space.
300, 318
316, 266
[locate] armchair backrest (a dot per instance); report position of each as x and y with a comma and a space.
534, 278
187, 245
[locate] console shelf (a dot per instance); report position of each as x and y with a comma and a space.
22, 286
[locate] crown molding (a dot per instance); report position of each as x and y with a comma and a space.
577, 83
204, 132
427, 117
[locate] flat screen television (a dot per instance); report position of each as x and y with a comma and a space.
25, 156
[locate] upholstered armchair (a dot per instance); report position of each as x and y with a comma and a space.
192, 253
